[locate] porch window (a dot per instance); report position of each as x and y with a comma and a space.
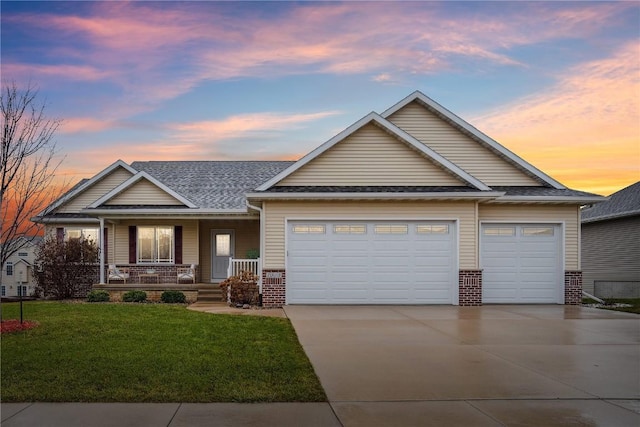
155, 244
84, 233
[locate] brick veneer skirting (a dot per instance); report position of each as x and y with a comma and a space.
273, 288
573, 287
470, 287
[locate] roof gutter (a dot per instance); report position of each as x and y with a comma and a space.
582, 200
488, 195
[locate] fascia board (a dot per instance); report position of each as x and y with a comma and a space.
90, 182
134, 179
581, 200
382, 196
164, 212
417, 95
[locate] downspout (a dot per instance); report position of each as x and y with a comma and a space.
101, 234
262, 226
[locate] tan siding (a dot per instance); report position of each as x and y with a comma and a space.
247, 236
190, 246
611, 251
457, 147
97, 190
144, 192
531, 213
370, 156
276, 212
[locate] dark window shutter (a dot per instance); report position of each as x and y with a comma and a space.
59, 234
105, 236
178, 244
133, 256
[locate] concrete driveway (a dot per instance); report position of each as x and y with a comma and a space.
481, 366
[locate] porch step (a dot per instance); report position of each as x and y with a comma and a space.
210, 295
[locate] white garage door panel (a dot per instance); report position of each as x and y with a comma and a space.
399, 266
521, 267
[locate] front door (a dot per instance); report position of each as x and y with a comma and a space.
222, 247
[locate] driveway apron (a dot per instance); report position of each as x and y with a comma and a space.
490, 365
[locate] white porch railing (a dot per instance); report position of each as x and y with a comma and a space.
238, 265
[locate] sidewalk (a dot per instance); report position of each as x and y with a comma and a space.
166, 414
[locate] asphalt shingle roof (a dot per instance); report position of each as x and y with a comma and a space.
625, 202
213, 184
541, 191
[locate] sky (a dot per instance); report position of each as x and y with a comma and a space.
558, 83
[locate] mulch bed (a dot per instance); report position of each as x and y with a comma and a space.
14, 325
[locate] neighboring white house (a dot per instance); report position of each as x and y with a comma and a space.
18, 276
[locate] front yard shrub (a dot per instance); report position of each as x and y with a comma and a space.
173, 297
134, 296
98, 295
243, 288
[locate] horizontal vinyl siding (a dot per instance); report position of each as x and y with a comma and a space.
531, 213
190, 250
276, 212
144, 193
97, 190
247, 236
370, 156
457, 147
611, 251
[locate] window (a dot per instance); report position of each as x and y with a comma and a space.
4, 291
432, 229
155, 244
9, 269
22, 291
499, 231
350, 229
309, 229
391, 229
86, 233
23, 254
537, 231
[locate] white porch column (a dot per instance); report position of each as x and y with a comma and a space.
101, 239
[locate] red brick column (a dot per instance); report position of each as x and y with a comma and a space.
274, 288
573, 287
470, 287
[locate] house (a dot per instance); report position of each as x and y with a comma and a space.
611, 245
18, 273
411, 206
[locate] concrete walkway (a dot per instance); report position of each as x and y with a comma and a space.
484, 366
422, 366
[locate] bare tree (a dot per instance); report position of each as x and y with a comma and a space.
27, 166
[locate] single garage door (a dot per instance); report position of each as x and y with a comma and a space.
521, 263
371, 262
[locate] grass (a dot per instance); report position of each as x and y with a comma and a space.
106, 352
634, 304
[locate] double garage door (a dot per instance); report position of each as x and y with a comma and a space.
371, 262
415, 262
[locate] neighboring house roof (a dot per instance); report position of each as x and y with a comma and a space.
623, 203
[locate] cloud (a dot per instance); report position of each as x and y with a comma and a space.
587, 121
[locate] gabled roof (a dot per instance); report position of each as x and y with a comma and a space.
84, 184
133, 180
474, 133
620, 204
389, 127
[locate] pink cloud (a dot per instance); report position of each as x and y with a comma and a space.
588, 119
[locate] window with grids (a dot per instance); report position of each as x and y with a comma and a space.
9, 267
155, 244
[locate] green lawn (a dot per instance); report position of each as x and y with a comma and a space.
104, 352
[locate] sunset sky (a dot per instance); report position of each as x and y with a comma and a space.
558, 83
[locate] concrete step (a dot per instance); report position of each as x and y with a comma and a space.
210, 295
